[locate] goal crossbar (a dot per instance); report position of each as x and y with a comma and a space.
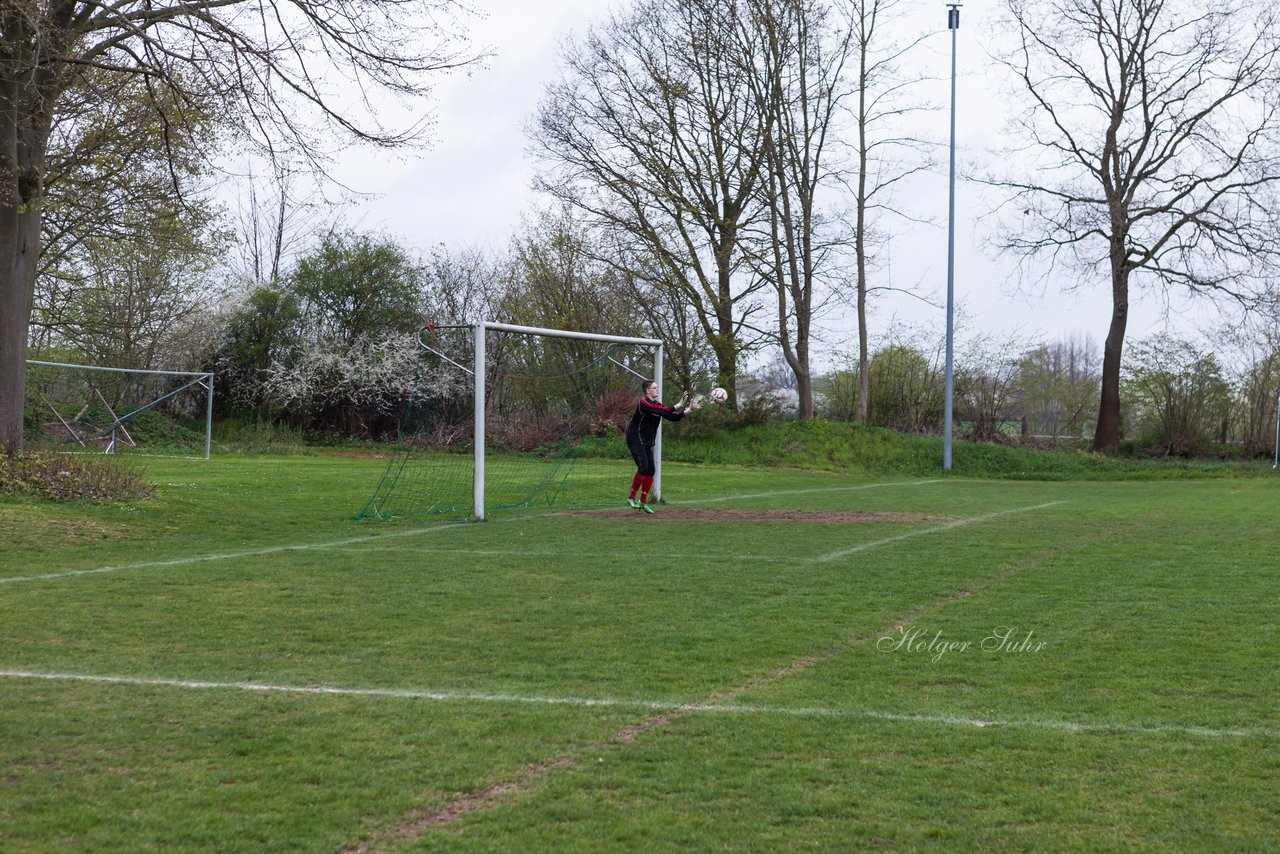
549, 333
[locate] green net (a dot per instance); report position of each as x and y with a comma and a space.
555, 410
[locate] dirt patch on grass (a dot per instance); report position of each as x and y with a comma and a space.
692, 514
359, 455
424, 819
23, 531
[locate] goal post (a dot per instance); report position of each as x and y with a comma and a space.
79, 407
535, 397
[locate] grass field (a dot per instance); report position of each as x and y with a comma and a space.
967, 665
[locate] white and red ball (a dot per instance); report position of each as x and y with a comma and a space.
719, 395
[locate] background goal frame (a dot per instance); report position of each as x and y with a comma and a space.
204, 379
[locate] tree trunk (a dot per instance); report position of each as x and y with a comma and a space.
724, 339
21, 173
860, 243
725, 345
864, 356
1106, 435
804, 375
17, 279
805, 391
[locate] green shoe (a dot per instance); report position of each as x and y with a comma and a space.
646, 507
633, 503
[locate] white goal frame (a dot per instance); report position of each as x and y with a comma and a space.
478, 380
204, 379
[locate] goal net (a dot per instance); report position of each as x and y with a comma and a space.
91, 409
509, 416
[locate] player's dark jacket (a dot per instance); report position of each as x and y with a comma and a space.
648, 416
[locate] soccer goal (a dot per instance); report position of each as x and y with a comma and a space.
87, 408
508, 416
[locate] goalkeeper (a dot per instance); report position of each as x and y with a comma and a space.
642, 435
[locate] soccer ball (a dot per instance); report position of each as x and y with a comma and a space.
719, 395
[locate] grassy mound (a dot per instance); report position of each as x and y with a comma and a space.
858, 449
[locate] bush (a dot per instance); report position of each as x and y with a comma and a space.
155, 431
1178, 394
753, 410
61, 476
254, 435
907, 390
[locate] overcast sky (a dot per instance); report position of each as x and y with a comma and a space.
473, 185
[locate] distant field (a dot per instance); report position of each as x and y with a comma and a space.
777, 660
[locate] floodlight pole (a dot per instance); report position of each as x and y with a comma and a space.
953, 24
1276, 460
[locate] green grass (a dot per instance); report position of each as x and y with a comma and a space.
748, 691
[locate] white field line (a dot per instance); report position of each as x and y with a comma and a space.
180, 561
659, 705
722, 556
391, 693
595, 553
333, 544
937, 529
1027, 723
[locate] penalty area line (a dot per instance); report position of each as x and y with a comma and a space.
1118, 727
389, 693
180, 561
371, 538
714, 557
1013, 723
937, 529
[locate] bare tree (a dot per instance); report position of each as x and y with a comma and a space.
986, 383
275, 217
1151, 151
560, 282
776, 373
654, 134
800, 82
132, 298
271, 58
886, 152
1253, 349
670, 317
462, 284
